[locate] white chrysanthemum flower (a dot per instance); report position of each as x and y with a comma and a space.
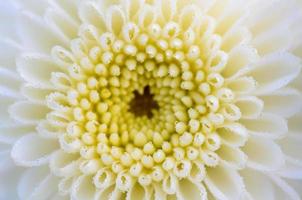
150, 99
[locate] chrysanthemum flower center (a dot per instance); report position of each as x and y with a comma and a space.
146, 102
143, 104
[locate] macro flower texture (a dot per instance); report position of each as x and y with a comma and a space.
150, 100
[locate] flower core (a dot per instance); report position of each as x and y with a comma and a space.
145, 98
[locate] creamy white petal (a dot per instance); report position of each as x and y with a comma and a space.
266, 125
250, 106
285, 102
83, 188
281, 67
8, 19
277, 39
61, 23
263, 154
89, 13
110, 193
65, 184
9, 50
169, 184
291, 146
292, 169
38, 76
258, 185
68, 6
9, 181
288, 191
35, 94
5, 103
294, 123
296, 185
239, 35
33, 150
9, 83
33, 32
37, 184
281, 13
240, 57
233, 156
10, 133
28, 112
115, 20
35, 6
231, 15
190, 190
64, 164
242, 85
233, 134
138, 192
224, 182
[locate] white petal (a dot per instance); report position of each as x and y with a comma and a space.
33, 32
58, 196
169, 184
90, 14
9, 83
65, 184
37, 7
138, 192
36, 69
64, 164
234, 37
168, 9
294, 123
48, 130
274, 40
9, 133
61, 23
263, 154
231, 15
68, 6
8, 53
281, 13
9, 181
224, 183
296, 185
242, 85
5, 103
159, 193
104, 178
147, 16
190, 190
282, 69
37, 184
27, 112
233, 156
6, 162
239, 57
282, 185
115, 19
291, 146
83, 188
110, 193
32, 150
35, 94
8, 19
258, 185
250, 107
292, 169
4, 147
285, 102
266, 125
233, 134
